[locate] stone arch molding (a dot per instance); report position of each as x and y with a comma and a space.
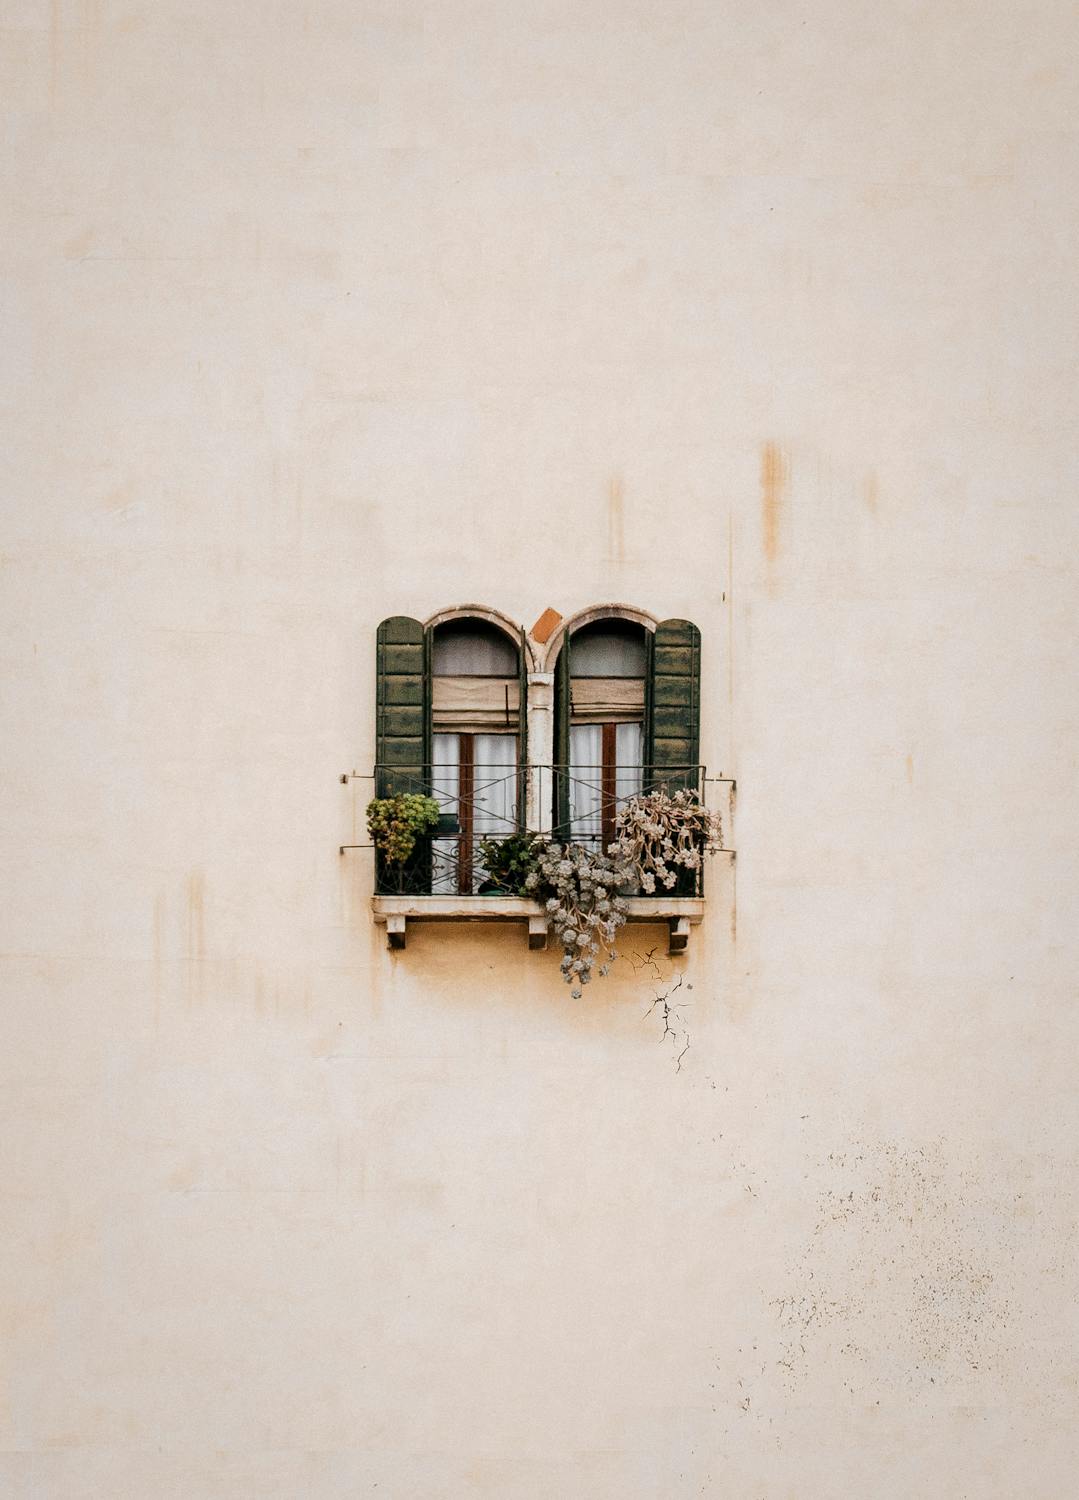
510, 628
589, 616
542, 658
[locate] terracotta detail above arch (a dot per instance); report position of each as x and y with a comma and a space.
545, 626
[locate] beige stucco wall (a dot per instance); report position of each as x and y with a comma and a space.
324, 310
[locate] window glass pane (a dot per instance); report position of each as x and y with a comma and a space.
608, 648
445, 789
629, 777
471, 648
490, 795
495, 785
445, 770
586, 782
629, 753
444, 866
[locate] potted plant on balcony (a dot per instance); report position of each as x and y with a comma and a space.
508, 863
395, 824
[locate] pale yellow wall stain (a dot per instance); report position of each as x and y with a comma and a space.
159, 955
774, 476
616, 518
196, 933
872, 493
80, 245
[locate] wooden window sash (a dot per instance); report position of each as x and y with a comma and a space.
608, 784
466, 791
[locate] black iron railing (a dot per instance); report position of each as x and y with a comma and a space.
580, 804
449, 861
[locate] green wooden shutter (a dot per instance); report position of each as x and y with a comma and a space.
428, 705
522, 733
649, 696
563, 707
674, 729
402, 707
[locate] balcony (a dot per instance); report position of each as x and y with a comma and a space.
446, 878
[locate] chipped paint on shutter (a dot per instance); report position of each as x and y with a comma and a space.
675, 704
401, 707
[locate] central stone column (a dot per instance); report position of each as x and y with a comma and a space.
538, 799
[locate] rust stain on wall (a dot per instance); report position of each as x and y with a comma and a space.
183, 1178
196, 899
80, 245
729, 601
775, 473
872, 492
734, 904
159, 952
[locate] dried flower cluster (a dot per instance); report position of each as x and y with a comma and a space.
583, 906
659, 833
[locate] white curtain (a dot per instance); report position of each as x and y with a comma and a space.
445, 789
493, 796
495, 785
629, 756
586, 774
629, 753
586, 782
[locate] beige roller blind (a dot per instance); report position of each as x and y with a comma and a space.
608, 700
474, 704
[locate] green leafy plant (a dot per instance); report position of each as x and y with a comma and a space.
395, 823
579, 888
659, 834
509, 861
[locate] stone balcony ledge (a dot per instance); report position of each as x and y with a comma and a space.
679, 913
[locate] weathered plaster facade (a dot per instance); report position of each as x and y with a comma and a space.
320, 311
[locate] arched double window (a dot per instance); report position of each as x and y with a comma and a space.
452, 721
